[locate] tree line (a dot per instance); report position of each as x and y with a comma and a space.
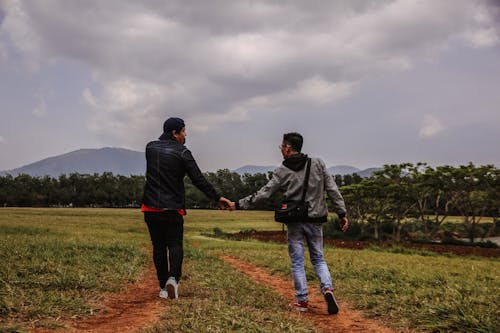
421, 197
108, 190
414, 197
74, 190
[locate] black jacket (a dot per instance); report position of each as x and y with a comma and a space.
168, 161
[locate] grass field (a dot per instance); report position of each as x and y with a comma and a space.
56, 264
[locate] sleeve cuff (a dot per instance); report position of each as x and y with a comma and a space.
237, 203
341, 215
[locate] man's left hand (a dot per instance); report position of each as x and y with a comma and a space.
344, 222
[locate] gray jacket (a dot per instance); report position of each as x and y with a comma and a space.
290, 182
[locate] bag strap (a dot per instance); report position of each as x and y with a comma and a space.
306, 179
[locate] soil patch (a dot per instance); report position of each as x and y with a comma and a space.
137, 307
280, 237
347, 320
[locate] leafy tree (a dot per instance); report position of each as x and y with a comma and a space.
347, 180
397, 183
339, 180
432, 197
492, 182
469, 194
359, 205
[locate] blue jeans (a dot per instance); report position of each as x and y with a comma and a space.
313, 234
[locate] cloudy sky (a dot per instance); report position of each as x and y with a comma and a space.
366, 82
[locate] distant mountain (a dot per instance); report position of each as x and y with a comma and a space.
343, 170
253, 169
126, 162
119, 161
367, 173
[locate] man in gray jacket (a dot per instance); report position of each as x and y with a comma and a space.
289, 178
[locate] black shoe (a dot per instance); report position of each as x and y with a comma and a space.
333, 307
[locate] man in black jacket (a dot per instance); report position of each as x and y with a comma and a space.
168, 161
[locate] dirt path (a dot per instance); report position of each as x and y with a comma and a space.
139, 307
130, 311
346, 321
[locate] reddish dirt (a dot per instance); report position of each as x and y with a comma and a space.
347, 320
137, 307
280, 237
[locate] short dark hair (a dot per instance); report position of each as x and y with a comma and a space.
294, 139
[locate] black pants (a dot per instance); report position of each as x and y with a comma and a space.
166, 231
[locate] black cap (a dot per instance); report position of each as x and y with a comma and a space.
172, 124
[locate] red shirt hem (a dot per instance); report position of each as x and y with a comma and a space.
145, 208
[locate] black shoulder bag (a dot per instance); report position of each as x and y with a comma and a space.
294, 211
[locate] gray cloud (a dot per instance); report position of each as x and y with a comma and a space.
2, 12
226, 62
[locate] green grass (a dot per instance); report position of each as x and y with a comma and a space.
219, 299
437, 294
204, 221
57, 262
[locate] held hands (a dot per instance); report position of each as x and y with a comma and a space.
344, 223
225, 203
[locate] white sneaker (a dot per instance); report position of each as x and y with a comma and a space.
163, 293
172, 288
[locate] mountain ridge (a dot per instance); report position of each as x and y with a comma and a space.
121, 161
